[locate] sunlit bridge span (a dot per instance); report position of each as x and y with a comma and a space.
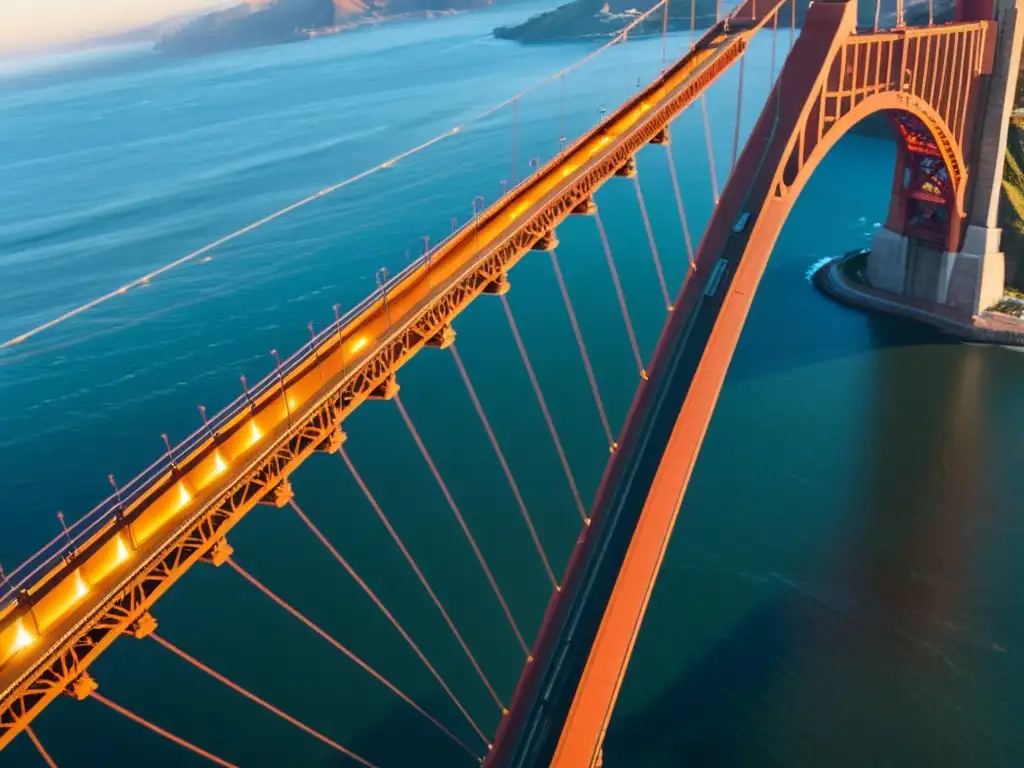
937, 85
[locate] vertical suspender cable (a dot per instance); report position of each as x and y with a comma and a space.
931, 12
650, 240
561, 114
462, 523
504, 466
664, 38
792, 22
39, 747
157, 729
344, 650
679, 205
612, 445
388, 615
515, 141
257, 700
739, 112
707, 141
419, 574
621, 296
544, 410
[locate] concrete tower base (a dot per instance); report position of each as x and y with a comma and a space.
969, 281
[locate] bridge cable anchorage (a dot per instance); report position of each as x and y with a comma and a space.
679, 205
387, 614
39, 747
621, 296
462, 522
389, 163
739, 114
419, 574
345, 651
612, 445
544, 410
505, 468
257, 700
650, 239
707, 141
158, 730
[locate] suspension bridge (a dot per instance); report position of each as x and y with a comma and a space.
946, 91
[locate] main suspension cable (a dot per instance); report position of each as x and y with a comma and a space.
389, 163
612, 445
157, 729
462, 522
257, 700
679, 205
621, 296
504, 466
544, 410
419, 574
39, 747
344, 650
650, 239
387, 614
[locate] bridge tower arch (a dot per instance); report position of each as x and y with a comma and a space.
931, 84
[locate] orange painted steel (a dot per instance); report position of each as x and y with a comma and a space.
67, 617
832, 80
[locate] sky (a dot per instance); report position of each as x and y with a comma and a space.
33, 24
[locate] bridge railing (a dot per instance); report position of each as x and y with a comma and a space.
81, 530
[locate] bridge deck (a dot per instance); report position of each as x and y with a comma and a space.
179, 511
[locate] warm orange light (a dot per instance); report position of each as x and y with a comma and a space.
291, 403
122, 550
81, 588
184, 497
359, 343
254, 433
219, 464
23, 639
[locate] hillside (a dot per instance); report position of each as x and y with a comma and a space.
269, 22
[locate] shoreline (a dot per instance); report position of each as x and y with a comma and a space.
985, 328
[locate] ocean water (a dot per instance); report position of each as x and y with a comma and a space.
840, 588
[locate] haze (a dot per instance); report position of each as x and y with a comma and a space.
33, 24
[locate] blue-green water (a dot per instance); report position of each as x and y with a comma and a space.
841, 588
